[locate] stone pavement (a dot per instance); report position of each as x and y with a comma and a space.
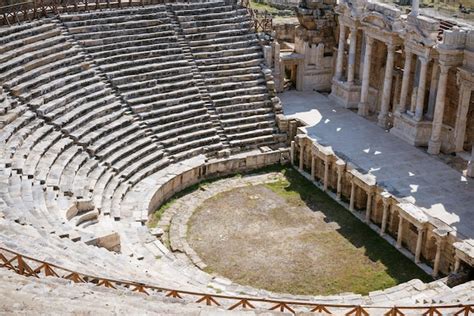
404, 170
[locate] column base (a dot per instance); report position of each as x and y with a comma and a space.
345, 94
410, 130
363, 109
383, 120
434, 147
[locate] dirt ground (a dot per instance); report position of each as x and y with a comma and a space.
275, 240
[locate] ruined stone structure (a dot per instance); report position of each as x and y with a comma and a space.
106, 114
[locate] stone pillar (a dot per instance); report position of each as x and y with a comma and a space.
301, 165
368, 209
433, 90
383, 226
470, 165
340, 172
313, 166
340, 51
326, 173
387, 86
457, 264
419, 241
420, 99
439, 243
267, 53
405, 81
292, 152
434, 144
400, 232
352, 55
461, 117
364, 94
415, 4
351, 202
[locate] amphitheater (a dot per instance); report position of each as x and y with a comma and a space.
111, 110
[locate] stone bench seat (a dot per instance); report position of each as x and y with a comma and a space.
102, 178
245, 113
236, 85
130, 56
237, 43
230, 52
79, 111
21, 155
32, 47
16, 44
16, 140
222, 80
201, 8
252, 133
209, 149
57, 84
164, 96
49, 156
155, 158
69, 88
147, 76
218, 34
190, 135
116, 200
125, 133
168, 110
93, 15
146, 84
143, 69
125, 151
229, 61
192, 120
41, 67
114, 19
188, 98
222, 42
66, 182
79, 183
16, 125
229, 109
176, 117
109, 27
106, 38
253, 142
240, 99
144, 171
211, 16
36, 153
159, 47
133, 156
108, 195
258, 90
223, 26
9, 66
197, 143
48, 77
139, 62
228, 74
251, 118
55, 171
10, 32
118, 125
218, 67
130, 44
234, 128
94, 91
97, 118
159, 89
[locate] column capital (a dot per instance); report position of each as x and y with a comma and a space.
391, 47
444, 69
369, 40
423, 60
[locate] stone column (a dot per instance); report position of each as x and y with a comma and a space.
400, 232
301, 165
419, 241
351, 202
364, 94
461, 117
439, 243
457, 264
387, 86
292, 152
405, 81
340, 51
352, 56
470, 165
313, 166
383, 226
415, 4
434, 144
433, 90
420, 99
326, 174
368, 209
340, 171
